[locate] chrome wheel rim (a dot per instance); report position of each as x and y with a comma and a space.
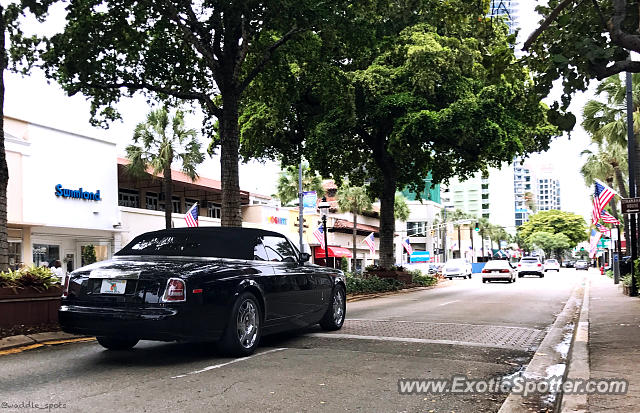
338, 307
247, 324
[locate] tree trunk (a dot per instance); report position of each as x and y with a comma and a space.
355, 233
387, 219
229, 158
168, 196
4, 170
619, 179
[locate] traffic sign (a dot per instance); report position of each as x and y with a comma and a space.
630, 205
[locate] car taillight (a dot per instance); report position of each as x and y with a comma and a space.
519, 265
539, 265
65, 288
175, 290
504, 270
485, 271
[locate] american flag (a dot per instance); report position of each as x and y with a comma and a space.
370, 243
607, 218
593, 245
318, 233
407, 246
192, 216
601, 198
605, 231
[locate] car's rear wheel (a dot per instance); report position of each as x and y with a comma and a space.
244, 328
114, 343
334, 317
541, 275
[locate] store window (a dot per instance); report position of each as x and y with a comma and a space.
188, 203
151, 201
128, 198
416, 229
15, 255
90, 253
175, 204
213, 210
44, 254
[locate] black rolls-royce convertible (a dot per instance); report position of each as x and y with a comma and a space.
231, 285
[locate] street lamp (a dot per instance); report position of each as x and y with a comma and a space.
324, 208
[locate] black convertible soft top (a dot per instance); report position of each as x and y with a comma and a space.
217, 242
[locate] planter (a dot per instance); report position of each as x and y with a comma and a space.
626, 290
402, 276
28, 306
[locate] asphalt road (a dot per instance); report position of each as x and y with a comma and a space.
462, 328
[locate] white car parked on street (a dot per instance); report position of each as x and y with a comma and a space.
457, 267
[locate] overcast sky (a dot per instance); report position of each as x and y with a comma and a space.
32, 98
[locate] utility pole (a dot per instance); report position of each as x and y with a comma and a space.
300, 206
631, 145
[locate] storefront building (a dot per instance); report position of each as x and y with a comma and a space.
61, 196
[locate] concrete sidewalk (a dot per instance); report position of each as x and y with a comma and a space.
614, 344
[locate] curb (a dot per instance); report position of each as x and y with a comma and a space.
579, 358
360, 297
552, 357
38, 339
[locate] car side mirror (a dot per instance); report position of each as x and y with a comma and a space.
304, 256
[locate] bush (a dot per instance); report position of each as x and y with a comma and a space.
609, 273
356, 285
40, 278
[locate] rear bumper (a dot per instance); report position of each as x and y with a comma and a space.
496, 276
530, 272
163, 324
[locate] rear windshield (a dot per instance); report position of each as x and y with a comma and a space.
529, 260
222, 245
552, 261
497, 264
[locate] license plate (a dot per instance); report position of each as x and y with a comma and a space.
113, 286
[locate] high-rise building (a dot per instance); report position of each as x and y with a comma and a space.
523, 192
508, 9
548, 194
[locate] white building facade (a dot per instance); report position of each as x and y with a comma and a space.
62, 195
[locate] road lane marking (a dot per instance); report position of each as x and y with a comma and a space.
407, 340
448, 302
217, 366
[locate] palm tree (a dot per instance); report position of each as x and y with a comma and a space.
353, 199
401, 209
288, 183
608, 164
158, 142
485, 229
606, 121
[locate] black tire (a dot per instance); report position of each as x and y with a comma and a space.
513, 280
114, 343
520, 276
541, 275
334, 317
484, 281
245, 317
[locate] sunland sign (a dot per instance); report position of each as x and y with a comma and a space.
77, 193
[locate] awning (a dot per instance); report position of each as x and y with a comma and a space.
333, 252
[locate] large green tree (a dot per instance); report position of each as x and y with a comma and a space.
549, 242
205, 52
157, 143
555, 222
442, 93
